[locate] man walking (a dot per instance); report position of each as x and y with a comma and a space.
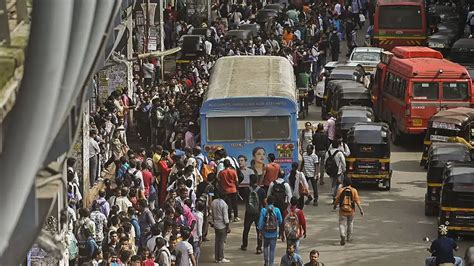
268, 223
311, 172
321, 145
314, 259
294, 224
254, 203
335, 166
228, 181
347, 197
272, 170
220, 217
291, 257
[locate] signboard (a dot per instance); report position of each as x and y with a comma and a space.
110, 79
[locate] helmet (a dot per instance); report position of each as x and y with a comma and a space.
443, 230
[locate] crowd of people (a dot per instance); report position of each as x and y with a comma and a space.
159, 202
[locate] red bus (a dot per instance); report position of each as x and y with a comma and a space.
412, 83
399, 23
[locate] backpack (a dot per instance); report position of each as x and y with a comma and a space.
346, 204
331, 166
292, 225
279, 192
206, 169
253, 204
270, 223
131, 177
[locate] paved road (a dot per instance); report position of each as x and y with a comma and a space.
390, 233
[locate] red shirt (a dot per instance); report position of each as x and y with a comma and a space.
272, 170
147, 181
228, 180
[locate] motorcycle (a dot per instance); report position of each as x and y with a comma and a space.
431, 260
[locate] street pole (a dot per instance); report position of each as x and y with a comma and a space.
147, 25
208, 13
162, 40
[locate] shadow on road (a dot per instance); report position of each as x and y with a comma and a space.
407, 166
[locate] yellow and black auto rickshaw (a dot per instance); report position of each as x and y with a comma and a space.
438, 155
349, 95
370, 154
446, 124
457, 199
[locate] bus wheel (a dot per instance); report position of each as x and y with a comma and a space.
396, 135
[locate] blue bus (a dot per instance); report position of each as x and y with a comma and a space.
250, 108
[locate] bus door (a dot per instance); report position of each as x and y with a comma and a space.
425, 101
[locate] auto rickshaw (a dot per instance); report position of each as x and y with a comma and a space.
457, 197
346, 95
439, 154
192, 48
244, 35
462, 51
370, 154
456, 122
330, 91
348, 116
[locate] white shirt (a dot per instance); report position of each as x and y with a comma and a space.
123, 203
185, 249
337, 8
287, 189
94, 148
300, 178
208, 47
197, 231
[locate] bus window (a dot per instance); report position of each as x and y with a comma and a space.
455, 91
400, 17
270, 127
425, 90
226, 129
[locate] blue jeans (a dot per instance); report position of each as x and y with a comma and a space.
269, 245
431, 261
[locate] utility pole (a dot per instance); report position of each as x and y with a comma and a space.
162, 40
209, 12
147, 25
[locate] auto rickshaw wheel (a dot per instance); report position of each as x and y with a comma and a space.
387, 184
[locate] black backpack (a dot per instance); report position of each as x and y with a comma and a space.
331, 166
253, 202
279, 193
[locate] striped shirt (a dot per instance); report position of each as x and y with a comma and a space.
309, 162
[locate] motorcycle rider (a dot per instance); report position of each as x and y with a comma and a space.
442, 250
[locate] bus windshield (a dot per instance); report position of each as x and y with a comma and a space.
400, 17
226, 129
271, 127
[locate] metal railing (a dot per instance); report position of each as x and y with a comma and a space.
11, 10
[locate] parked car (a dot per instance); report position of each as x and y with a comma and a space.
367, 57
